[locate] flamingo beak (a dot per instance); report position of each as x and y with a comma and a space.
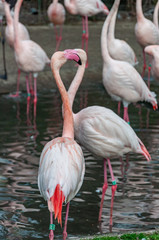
71, 54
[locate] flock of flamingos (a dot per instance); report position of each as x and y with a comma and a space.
98, 129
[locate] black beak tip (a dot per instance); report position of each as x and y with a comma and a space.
79, 62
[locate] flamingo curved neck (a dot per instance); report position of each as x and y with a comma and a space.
104, 45
16, 20
76, 83
139, 11
155, 15
111, 30
71, 6
8, 13
68, 127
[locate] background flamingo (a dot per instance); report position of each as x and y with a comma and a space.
120, 79
29, 56
56, 14
61, 156
146, 34
9, 34
119, 49
85, 8
153, 51
155, 15
102, 132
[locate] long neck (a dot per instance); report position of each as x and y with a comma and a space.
68, 128
76, 83
111, 31
155, 15
104, 45
139, 12
8, 13
16, 20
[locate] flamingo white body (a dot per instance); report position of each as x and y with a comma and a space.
155, 15
120, 79
9, 30
62, 166
85, 8
153, 51
146, 33
119, 49
56, 14
101, 131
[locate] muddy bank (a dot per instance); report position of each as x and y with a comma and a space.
44, 36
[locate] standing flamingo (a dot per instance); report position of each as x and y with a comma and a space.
56, 14
155, 15
29, 56
120, 79
9, 34
146, 34
2, 14
62, 166
119, 49
153, 51
85, 8
102, 132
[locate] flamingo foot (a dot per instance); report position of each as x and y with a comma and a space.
64, 235
14, 95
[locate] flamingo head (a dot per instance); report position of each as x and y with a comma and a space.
72, 54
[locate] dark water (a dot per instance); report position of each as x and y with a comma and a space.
24, 213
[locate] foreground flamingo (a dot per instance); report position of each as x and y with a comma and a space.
119, 49
62, 166
146, 34
9, 34
120, 79
56, 14
85, 8
29, 56
102, 132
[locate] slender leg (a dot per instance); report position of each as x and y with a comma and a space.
30, 84
59, 39
83, 32
35, 94
119, 106
3, 49
126, 116
52, 227
18, 83
87, 36
28, 97
65, 226
114, 187
105, 186
144, 64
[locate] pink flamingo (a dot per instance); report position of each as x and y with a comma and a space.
9, 34
29, 56
119, 49
153, 51
102, 132
61, 156
146, 34
155, 15
56, 14
85, 8
120, 79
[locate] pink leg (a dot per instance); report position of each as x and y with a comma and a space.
83, 32
18, 80
65, 226
51, 227
126, 116
35, 96
119, 105
114, 187
87, 36
105, 186
58, 38
30, 84
144, 64
28, 95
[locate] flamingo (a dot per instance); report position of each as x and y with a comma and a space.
85, 8
155, 15
146, 34
61, 156
56, 14
102, 132
2, 14
29, 56
153, 51
119, 49
9, 34
121, 79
